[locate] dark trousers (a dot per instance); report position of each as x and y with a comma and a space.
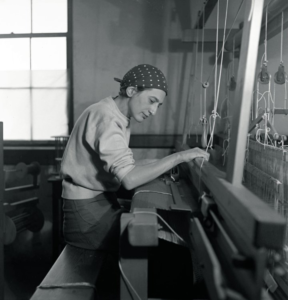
93, 223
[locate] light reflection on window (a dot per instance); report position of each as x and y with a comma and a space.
15, 16
15, 54
48, 53
15, 114
33, 76
49, 16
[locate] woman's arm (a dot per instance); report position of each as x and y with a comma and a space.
146, 161
144, 173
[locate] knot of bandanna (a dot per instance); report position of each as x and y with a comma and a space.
145, 76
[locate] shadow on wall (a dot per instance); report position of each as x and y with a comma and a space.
145, 18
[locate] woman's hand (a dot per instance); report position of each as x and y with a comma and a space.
191, 154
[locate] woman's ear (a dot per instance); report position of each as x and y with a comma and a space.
131, 91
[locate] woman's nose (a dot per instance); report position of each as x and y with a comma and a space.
153, 110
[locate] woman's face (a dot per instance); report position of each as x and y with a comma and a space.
144, 104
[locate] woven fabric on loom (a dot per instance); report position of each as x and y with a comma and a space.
266, 174
157, 194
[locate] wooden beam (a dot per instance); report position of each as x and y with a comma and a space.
209, 7
184, 13
190, 35
255, 122
249, 218
281, 111
274, 19
244, 91
1, 214
273, 27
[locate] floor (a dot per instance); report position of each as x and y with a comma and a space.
169, 271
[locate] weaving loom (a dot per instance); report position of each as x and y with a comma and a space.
237, 238
266, 174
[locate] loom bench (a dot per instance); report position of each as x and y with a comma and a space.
73, 266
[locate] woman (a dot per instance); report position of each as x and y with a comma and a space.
97, 159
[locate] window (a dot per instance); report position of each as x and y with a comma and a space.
34, 78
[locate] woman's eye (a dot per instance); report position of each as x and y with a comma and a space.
152, 101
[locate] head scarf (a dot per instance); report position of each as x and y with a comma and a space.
145, 76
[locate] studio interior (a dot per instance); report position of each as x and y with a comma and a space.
211, 227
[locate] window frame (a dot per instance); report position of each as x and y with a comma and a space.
69, 63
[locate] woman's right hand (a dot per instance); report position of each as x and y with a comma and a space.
191, 154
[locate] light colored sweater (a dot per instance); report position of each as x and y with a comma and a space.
97, 156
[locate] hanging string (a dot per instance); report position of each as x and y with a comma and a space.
233, 53
228, 34
214, 112
205, 97
225, 149
265, 41
247, 149
285, 100
216, 55
274, 95
281, 50
202, 62
195, 72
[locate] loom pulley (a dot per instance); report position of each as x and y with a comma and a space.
280, 76
205, 85
264, 76
232, 84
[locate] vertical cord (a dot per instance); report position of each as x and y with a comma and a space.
238, 11
195, 72
265, 42
214, 113
188, 122
274, 95
257, 100
233, 53
222, 55
268, 102
202, 57
204, 103
216, 56
285, 100
281, 50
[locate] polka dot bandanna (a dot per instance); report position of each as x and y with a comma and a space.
145, 76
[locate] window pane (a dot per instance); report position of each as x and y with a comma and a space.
48, 53
49, 113
14, 54
15, 114
15, 79
49, 16
15, 16
49, 79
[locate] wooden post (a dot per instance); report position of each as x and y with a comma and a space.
244, 90
190, 95
1, 214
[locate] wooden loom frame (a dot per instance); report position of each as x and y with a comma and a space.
254, 225
1, 214
226, 190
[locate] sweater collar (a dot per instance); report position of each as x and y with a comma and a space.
125, 119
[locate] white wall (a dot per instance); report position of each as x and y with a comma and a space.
112, 36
